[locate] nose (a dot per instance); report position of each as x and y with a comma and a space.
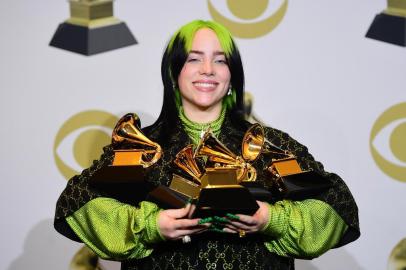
207, 68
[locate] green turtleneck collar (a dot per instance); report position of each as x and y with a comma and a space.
195, 130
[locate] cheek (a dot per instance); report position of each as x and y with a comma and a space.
185, 75
225, 75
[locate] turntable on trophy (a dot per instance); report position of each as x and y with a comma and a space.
133, 154
285, 176
215, 189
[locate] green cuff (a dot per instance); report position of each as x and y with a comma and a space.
278, 221
152, 229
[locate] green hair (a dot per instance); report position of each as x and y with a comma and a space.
188, 31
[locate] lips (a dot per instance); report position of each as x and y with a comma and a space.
205, 85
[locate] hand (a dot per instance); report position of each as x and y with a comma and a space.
176, 223
250, 224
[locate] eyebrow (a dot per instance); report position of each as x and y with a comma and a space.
201, 53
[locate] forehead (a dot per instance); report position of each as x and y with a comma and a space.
206, 39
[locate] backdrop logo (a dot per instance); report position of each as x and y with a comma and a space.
388, 135
250, 25
80, 140
397, 258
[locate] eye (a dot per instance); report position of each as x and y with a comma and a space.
248, 19
80, 140
193, 58
79, 148
221, 61
388, 142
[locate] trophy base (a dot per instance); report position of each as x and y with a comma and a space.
388, 28
124, 183
300, 185
89, 41
118, 175
167, 198
211, 201
220, 201
258, 191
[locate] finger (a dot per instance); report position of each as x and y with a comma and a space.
181, 233
236, 229
232, 227
191, 211
186, 223
179, 213
241, 226
227, 230
247, 220
202, 230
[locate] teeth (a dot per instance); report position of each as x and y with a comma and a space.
205, 84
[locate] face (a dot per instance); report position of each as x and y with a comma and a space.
205, 76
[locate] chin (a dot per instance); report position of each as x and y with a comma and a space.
207, 102
206, 105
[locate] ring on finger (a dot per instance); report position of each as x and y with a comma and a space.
186, 239
241, 233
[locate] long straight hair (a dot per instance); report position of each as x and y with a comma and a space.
174, 58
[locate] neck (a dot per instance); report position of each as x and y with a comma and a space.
202, 116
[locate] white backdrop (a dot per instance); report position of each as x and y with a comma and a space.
315, 76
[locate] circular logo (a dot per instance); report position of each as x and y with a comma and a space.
397, 258
86, 132
248, 10
390, 153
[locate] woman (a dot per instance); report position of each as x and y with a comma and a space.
203, 87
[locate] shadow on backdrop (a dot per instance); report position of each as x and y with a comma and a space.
336, 259
44, 248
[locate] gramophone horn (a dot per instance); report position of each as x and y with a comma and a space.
185, 160
221, 156
216, 152
127, 130
255, 143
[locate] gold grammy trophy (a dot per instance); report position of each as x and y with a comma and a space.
92, 29
286, 178
127, 130
186, 162
219, 156
217, 190
182, 188
133, 153
390, 25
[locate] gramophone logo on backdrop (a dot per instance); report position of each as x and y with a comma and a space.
388, 142
80, 140
252, 20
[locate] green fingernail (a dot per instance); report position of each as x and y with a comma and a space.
188, 201
220, 219
200, 222
205, 220
216, 229
231, 216
217, 226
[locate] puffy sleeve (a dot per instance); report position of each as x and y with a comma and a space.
114, 230
309, 227
303, 229
79, 192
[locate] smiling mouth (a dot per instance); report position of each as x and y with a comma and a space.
205, 86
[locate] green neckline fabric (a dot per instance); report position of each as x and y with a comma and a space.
195, 130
